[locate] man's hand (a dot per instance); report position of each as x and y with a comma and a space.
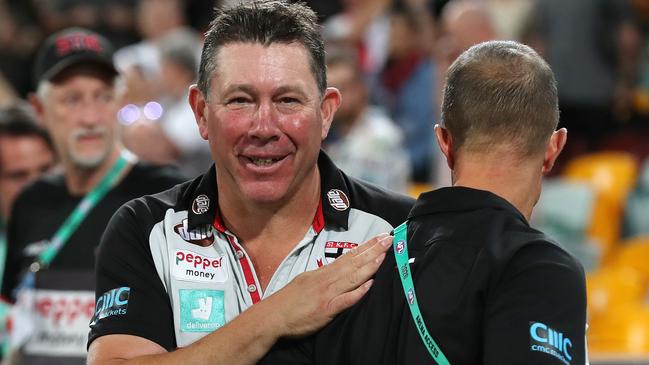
314, 298
305, 305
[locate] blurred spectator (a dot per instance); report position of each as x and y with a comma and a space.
592, 47
462, 23
57, 221
364, 24
174, 137
511, 18
363, 141
407, 82
139, 63
26, 152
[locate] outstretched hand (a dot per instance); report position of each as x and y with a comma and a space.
315, 297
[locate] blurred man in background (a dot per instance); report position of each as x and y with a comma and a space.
58, 220
363, 141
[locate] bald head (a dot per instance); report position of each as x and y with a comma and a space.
500, 93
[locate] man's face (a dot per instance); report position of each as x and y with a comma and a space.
343, 77
79, 112
22, 160
265, 120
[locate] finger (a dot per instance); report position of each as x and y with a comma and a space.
346, 300
367, 245
351, 277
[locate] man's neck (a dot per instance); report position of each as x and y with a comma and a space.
284, 222
518, 183
80, 181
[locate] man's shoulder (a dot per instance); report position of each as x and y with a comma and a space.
162, 175
51, 186
373, 199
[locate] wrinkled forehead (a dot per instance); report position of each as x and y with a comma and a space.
255, 63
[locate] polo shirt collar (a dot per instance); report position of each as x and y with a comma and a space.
459, 199
333, 208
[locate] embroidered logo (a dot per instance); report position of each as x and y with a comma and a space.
338, 200
334, 249
201, 310
201, 204
202, 236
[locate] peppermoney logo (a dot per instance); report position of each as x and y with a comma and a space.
202, 236
201, 310
191, 266
552, 342
112, 303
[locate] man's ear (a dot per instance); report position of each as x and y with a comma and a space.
553, 149
330, 103
198, 103
445, 142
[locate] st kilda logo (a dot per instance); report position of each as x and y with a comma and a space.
338, 200
201, 204
201, 236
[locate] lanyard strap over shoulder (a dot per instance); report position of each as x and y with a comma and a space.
400, 246
79, 213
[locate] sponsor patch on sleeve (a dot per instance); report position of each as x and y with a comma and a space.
112, 303
201, 310
547, 340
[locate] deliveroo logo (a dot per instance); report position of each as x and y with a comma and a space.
201, 310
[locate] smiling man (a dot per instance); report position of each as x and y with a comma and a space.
58, 220
209, 272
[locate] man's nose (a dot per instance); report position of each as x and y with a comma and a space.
265, 122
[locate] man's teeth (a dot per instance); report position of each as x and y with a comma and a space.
264, 161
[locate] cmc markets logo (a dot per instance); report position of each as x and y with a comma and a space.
112, 303
202, 236
552, 342
337, 199
201, 204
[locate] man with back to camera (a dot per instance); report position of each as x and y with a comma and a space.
76, 100
490, 289
176, 271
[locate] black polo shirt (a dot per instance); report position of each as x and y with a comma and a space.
491, 289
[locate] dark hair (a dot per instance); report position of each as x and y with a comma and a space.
264, 22
19, 121
500, 92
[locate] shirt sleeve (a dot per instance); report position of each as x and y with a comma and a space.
536, 313
130, 297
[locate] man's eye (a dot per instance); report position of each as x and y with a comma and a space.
238, 100
288, 100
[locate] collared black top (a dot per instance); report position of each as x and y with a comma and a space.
491, 289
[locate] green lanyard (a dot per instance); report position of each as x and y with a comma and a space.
401, 256
79, 213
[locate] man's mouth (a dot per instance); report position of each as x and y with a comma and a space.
263, 161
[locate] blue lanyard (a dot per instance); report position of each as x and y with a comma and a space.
400, 245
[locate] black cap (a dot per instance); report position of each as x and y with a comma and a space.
70, 47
